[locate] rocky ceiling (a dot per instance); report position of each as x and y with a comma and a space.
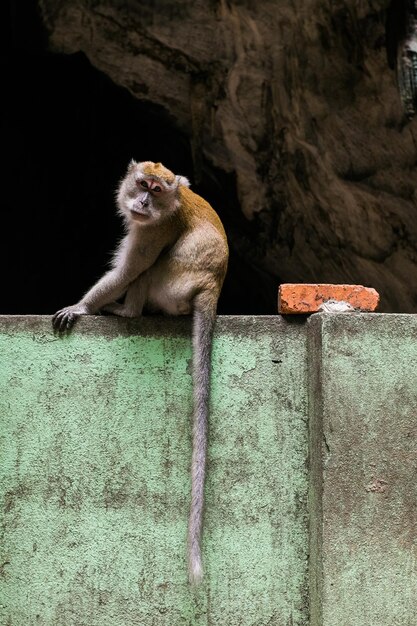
297, 103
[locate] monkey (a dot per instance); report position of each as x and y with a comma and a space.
172, 259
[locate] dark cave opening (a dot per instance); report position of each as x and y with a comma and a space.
68, 133
395, 28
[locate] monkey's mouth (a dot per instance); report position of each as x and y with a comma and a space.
138, 215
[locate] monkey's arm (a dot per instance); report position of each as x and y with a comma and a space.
131, 260
110, 287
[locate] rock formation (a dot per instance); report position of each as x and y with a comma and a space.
298, 103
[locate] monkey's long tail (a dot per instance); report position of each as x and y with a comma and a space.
203, 326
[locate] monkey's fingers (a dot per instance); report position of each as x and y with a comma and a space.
64, 320
57, 322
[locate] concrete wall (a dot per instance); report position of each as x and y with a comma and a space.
363, 377
95, 478
311, 515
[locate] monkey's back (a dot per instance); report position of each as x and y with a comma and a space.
201, 248
195, 209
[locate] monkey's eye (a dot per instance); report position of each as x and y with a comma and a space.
157, 189
144, 184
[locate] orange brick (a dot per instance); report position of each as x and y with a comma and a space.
296, 298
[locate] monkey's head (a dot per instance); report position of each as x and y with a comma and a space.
148, 192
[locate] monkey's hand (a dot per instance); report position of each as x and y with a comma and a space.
64, 319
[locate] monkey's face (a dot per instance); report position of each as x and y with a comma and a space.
148, 200
145, 197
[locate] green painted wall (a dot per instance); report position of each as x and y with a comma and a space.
95, 448
311, 516
364, 473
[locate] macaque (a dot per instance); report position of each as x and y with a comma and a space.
173, 260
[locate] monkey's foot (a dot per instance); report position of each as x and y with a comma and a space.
64, 319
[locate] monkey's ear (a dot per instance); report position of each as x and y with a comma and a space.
131, 165
182, 180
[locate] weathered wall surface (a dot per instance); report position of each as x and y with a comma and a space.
94, 479
365, 434
298, 101
304, 526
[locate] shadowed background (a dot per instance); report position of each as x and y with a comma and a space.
287, 120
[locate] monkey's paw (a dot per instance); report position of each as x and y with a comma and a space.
64, 319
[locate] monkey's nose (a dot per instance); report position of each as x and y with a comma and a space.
144, 203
